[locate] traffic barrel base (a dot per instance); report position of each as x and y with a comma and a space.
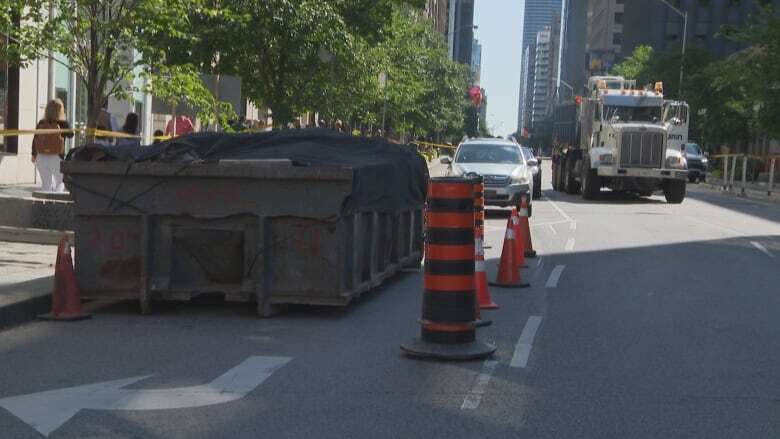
462, 351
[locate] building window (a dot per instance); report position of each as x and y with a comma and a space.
617, 39
618, 18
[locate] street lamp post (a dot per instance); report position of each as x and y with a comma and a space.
684, 15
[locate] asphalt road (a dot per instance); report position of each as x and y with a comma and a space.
664, 321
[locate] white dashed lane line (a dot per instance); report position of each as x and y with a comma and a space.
555, 276
570, 244
525, 342
474, 397
762, 249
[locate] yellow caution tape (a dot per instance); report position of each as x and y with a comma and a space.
435, 145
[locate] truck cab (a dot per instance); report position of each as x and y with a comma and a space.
622, 144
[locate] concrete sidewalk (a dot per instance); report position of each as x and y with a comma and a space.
26, 279
753, 191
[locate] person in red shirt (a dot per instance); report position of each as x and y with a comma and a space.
179, 126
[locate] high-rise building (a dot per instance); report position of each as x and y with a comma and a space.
438, 12
545, 72
476, 61
573, 32
536, 15
526, 88
460, 31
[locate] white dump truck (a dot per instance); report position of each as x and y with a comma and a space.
620, 143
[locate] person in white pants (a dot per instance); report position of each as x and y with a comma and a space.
48, 149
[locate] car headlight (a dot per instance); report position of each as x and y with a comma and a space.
676, 162
704, 161
519, 179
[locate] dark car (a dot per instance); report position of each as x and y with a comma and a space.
697, 162
535, 164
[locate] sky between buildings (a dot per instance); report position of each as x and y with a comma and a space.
500, 31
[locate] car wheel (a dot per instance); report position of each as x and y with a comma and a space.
691, 179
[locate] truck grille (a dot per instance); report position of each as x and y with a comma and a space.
642, 150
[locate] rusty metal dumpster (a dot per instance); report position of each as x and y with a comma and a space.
262, 231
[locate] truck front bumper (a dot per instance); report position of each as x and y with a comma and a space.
614, 171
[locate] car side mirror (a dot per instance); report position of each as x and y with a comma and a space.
533, 162
446, 160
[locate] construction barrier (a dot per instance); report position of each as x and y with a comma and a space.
449, 300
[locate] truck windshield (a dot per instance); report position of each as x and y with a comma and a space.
485, 153
624, 114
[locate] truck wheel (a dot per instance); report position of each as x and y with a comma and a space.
570, 185
591, 183
674, 191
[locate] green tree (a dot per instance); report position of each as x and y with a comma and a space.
106, 41
754, 73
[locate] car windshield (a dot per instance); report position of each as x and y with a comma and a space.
631, 114
693, 148
486, 153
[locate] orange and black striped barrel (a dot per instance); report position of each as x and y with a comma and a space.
449, 296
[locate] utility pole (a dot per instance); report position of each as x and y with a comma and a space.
684, 15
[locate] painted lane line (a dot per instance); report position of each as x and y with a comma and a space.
570, 244
573, 225
539, 261
552, 229
474, 397
555, 276
762, 249
550, 223
563, 214
715, 226
525, 342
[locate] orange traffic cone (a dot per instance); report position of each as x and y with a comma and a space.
65, 299
525, 228
508, 271
519, 241
483, 294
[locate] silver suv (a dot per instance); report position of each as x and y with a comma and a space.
501, 162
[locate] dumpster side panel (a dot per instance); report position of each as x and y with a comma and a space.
108, 256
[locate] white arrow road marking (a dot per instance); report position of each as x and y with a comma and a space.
525, 342
762, 249
47, 411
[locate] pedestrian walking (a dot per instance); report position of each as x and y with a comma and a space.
48, 150
130, 127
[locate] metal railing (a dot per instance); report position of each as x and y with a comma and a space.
753, 170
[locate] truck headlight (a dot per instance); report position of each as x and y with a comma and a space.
606, 159
676, 162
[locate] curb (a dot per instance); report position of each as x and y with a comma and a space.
751, 194
29, 305
33, 236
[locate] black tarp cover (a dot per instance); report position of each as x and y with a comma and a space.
387, 176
